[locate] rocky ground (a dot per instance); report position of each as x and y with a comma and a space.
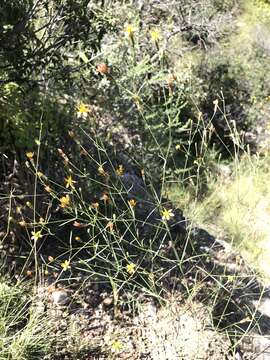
236, 325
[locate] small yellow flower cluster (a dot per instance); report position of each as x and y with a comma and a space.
30, 155
101, 171
130, 268
65, 201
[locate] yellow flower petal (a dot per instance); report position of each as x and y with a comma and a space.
64, 201
69, 182
132, 203
29, 155
129, 31
167, 214
65, 265
130, 268
36, 235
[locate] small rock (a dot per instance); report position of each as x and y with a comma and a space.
263, 306
60, 297
107, 302
224, 171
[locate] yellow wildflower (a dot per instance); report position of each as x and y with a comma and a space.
177, 147
29, 155
120, 170
64, 201
167, 214
117, 346
155, 35
130, 268
129, 31
65, 265
36, 235
82, 110
132, 203
77, 238
69, 182
101, 171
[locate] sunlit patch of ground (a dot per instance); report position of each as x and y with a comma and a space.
236, 209
262, 225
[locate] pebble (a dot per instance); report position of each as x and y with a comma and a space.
60, 297
107, 302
